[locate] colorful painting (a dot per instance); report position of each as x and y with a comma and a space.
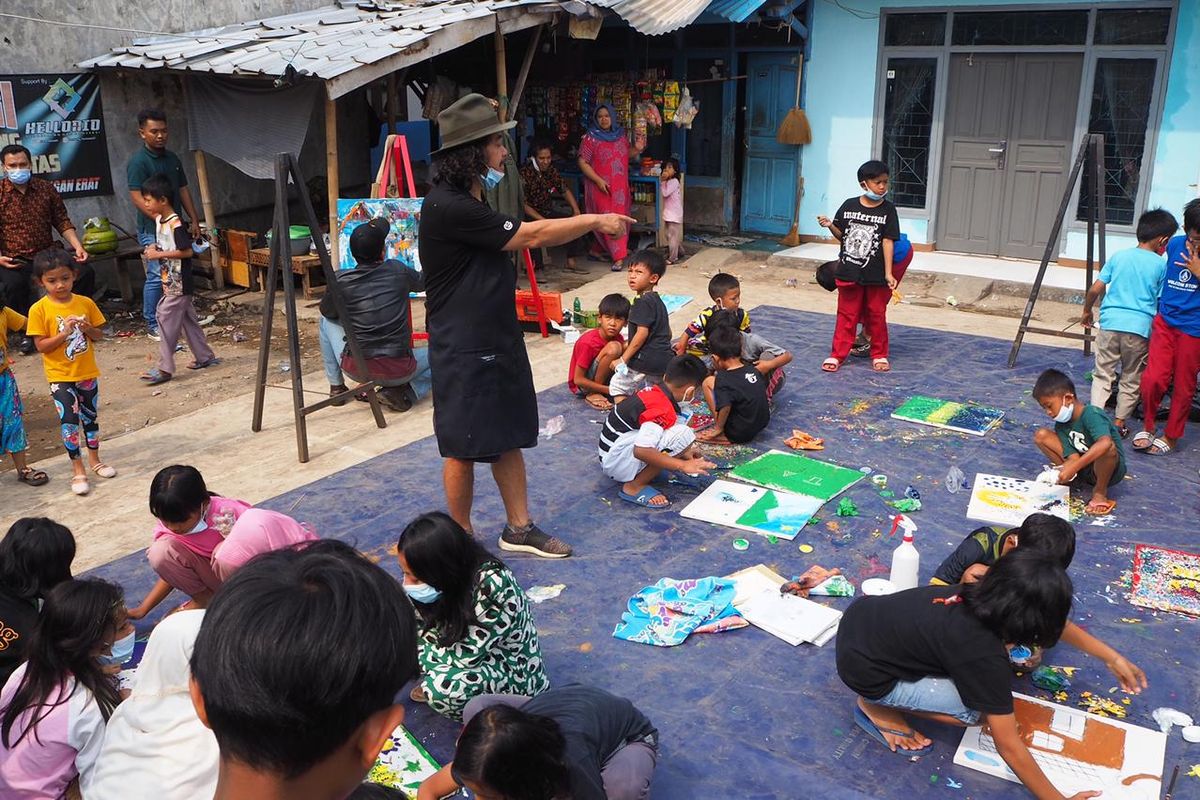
998, 500
1168, 580
403, 764
953, 416
403, 215
1077, 751
753, 508
799, 474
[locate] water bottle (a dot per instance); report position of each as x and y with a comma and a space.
906, 563
955, 480
577, 319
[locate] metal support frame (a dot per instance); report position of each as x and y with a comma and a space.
1091, 152
280, 266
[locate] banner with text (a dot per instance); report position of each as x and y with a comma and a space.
60, 120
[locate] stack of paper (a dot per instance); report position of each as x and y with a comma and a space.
793, 619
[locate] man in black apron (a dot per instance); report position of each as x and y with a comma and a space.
484, 405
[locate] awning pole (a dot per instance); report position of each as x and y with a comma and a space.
210, 216
519, 88
501, 74
391, 103
331, 173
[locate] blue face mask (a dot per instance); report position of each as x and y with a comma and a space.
18, 176
492, 179
122, 650
422, 593
871, 195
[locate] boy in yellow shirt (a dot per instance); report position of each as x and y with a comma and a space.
63, 326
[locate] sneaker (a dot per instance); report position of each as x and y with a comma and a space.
533, 540
152, 333
862, 347
394, 398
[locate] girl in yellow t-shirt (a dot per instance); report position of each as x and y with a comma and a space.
64, 326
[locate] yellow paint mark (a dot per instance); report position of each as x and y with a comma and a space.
586, 647
806, 548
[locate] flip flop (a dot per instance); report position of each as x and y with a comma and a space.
212, 362
617, 267
1096, 509
1158, 447
1142, 440
643, 498
831, 365
156, 376
600, 404
33, 477
863, 721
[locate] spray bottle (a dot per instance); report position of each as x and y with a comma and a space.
906, 561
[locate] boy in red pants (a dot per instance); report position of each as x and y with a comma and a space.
868, 227
1174, 339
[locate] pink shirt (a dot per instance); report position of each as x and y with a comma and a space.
257, 531
672, 201
222, 513
67, 744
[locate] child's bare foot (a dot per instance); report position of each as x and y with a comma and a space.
599, 401
890, 719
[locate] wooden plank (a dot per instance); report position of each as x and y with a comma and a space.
210, 216
331, 174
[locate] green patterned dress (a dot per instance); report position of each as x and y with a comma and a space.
499, 654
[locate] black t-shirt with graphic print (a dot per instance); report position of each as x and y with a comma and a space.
863, 231
744, 390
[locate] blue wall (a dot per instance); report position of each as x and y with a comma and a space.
840, 102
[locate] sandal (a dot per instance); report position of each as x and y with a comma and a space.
881, 365
155, 377
104, 470
644, 497
617, 266
599, 402
417, 695
80, 485
1097, 508
212, 362
1158, 447
1142, 440
831, 365
877, 733
33, 477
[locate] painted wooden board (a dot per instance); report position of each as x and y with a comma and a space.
753, 508
403, 763
949, 415
999, 500
1076, 750
799, 474
1168, 580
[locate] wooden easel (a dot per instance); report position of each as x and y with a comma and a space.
280, 267
1091, 150
387, 179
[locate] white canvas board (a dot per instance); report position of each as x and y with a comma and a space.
999, 500
779, 514
793, 619
1077, 751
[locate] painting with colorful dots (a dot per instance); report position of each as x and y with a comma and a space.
403, 215
1167, 580
753, 508
792, 472
402, 763
948, 414
999, 500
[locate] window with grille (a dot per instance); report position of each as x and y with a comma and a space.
1132, 26
915, 30
1120, 111
1020, 28
907, 126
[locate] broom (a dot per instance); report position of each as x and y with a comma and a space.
795, 130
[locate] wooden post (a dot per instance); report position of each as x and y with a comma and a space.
331, 177
519, 88
501, 74
391, 103
210, 217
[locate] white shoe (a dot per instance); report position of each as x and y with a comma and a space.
80, 485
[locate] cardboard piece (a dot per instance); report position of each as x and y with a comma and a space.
403, 764
1167, 580
793, 619
998, 500
799, 474
1077, 751
752, 508
949, 415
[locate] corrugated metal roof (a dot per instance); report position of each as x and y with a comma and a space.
654, 17
736, 10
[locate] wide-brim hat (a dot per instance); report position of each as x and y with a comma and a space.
467, 120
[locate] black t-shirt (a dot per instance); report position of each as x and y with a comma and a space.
745, 390
595, 724
17, 618
863, 231
982, 546
909, 635
649, 311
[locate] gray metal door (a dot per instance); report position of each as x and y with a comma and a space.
1009, 123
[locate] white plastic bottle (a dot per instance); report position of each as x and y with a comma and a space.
906, 563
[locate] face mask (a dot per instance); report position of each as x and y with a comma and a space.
122, 650
492, 179
1064, 413
422, 592
18, 176
201, 524
871, 195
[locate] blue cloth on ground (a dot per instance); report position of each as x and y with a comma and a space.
1133, 279
667, 612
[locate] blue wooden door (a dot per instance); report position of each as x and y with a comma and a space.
768, 168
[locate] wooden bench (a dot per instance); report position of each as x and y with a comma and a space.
305, 266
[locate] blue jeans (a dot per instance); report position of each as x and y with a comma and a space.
152, 291
333, 342
935, 695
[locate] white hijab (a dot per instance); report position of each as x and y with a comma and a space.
155, 746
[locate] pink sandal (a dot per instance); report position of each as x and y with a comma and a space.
831, 364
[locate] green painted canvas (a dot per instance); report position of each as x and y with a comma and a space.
791, 472
403, 763
948, 414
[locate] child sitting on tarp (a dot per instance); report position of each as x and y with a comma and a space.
1083, 443
737, 392
940, 653
1055, 538
596, 351
644, 435
726, 293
